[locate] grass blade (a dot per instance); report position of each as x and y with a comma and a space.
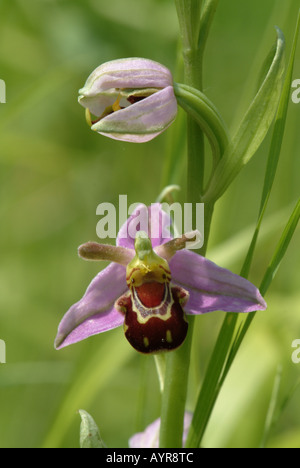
253, 127
272, 408
226, 349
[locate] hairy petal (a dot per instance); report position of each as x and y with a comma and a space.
169, 249
95, 312
212, 287
97, 252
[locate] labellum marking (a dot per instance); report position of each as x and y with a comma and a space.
158, 328
146, 342
169, 336
154, 318
152, 308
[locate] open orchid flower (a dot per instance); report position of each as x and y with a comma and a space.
150, 286
132, 99
149, 438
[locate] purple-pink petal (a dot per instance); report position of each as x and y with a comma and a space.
150, 437
153, 220
99, 323
212, 287
131, 138
95, 312
141, 121
127, 73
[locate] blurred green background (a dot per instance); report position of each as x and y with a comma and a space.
54, 173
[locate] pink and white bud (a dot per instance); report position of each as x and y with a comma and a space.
132, 99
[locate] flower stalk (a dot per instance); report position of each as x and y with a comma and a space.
177, 366
155, 286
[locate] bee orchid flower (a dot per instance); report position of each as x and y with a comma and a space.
132, 99
150, 286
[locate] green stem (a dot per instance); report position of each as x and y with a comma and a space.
177, 363
176, 384
175, 392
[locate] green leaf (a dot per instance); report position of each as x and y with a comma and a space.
267, 280
272, 408
207, 16
210, 386
222, 359
279, 127
253, 127
281, 248
226, 347
89, 432
275, 148
203, 111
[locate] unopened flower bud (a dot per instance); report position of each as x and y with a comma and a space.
132, 99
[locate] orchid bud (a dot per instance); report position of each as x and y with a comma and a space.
132, 99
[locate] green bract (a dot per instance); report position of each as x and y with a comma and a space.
89, 432
253, 127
